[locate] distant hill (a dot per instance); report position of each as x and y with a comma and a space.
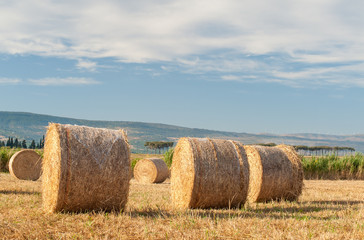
33, 126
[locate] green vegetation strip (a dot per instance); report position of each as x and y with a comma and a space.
334, 167
5, 155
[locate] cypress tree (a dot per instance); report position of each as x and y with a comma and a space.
32, 145
24, 144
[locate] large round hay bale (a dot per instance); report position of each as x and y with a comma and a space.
297, 172
26, 165
274, 174
208, 173
151, 170
85, 168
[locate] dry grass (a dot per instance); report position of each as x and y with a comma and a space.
142, 155
326, 210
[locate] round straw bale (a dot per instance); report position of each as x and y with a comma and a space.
297, 172
26, 165
151, 170
208, 173
273, 175
85, 168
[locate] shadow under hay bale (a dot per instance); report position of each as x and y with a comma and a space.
275, 173
151, 170
26, 165
85, 168
208, 173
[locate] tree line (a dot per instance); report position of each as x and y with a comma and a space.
16, 143
324, 150
317, 150
158, 146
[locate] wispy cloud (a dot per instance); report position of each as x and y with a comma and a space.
276, 68
180, 31
62, 81
10, 81
86, 64
168, 29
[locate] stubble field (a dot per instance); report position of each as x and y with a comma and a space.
326, 210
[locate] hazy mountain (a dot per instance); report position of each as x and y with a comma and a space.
33, 126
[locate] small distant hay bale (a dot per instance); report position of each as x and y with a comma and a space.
151, 170
85, 169
275, 173
26, 165
208, 173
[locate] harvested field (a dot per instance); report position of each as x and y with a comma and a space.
326, 210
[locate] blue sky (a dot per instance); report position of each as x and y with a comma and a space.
245, 66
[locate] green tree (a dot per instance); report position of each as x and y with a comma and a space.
41, 143
158, 146
168, 156
8, 142
16, 143
24, 144
32, 145
11, 142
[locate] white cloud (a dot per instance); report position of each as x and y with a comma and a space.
9, 81
163, 30
309, 31
62, 81
238, 78
231, 78
86, 64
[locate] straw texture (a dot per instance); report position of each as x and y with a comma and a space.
25, 165
297, 172
85, 168
208, 173
273, 175
151, 170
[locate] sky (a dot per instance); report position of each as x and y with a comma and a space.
233, 65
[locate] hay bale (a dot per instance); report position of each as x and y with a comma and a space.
275, 173
151, 170
26, 165
208, 173
297, 172
85, 168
